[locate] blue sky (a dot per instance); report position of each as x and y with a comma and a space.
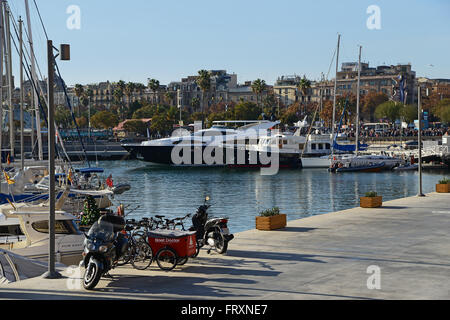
139, 39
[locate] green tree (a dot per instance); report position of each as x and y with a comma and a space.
289, 118
304, 85
161, 124
389, 110
63, 117
195, 103
246, 111
136, 126
442, 110
128, 91
79, 92
154, 85
258, 87
169, 95
145, 112
82, 122
204, 82
104, 120
409, 113
370, 102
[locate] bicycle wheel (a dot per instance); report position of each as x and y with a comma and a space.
126, 257
166, 258
182, 261
142, 256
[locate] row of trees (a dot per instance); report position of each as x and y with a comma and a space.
373, 106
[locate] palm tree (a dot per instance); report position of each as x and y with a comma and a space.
129, 89
169, 96
153, 84
79, 91
258, 87
118, 96
304, 85
204, 82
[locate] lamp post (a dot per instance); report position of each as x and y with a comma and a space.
419, 140
65, 55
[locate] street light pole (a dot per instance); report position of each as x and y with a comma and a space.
65, 55
51, 273
419, 140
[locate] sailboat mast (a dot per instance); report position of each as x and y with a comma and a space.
335, 87
22, 155
357, 101
2, 31
9, 79
34, 79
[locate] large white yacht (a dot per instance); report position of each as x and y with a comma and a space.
192, 149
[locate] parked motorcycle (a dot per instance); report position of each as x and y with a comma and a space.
103, 246
213, 232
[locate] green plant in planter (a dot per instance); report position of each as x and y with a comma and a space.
444, 181
371, 194
270, 212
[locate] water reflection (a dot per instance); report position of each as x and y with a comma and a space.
242, 194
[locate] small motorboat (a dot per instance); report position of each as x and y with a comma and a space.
406, 167
371, 167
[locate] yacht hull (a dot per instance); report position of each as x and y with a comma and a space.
229, 157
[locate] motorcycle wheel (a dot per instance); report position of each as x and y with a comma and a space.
142, 256
92, 276
167, 259
220, 244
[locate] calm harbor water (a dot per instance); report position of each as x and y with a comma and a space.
242, 194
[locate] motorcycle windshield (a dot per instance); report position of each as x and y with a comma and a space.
102, 231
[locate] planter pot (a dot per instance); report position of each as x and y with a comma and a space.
370, 202
443, 188
271, 223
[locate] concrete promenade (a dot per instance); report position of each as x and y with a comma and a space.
322, 257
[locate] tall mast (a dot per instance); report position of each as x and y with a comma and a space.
9, 79
22, 155
34, 79
335, 87
2, 31
357, 101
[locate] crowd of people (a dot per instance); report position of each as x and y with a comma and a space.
396, 132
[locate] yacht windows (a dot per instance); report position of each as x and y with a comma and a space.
10, 230
61, 227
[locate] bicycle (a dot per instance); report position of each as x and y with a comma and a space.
138, 251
